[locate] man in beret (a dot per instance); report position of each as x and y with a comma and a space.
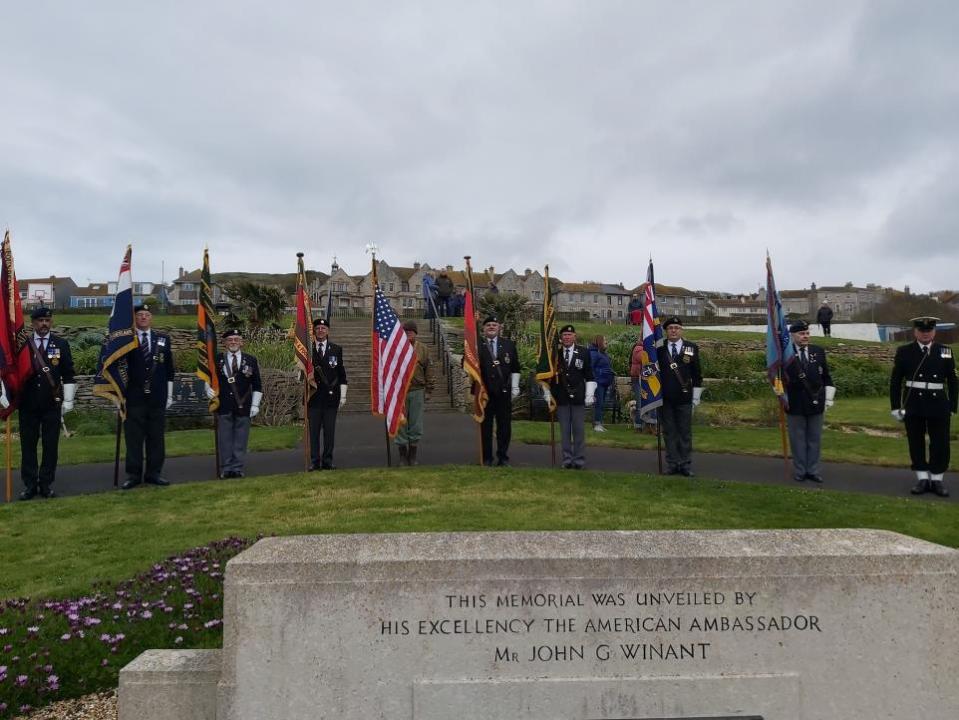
46, 396
240, 393
923, 395
330, 375
500, 370
574, 390
421, 385
682, 380
149, 396
809, 391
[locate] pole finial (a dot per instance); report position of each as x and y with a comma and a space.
299, 254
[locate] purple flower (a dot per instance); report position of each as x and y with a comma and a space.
65, 637
53, 682
146, 614
21, 681
178, 640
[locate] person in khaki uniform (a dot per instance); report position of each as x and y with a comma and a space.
421, 385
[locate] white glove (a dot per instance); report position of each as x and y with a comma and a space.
209, 391
4, 403
255, 404
169, 394
547, 396
69, 393
697, 396
514, 393
898, 414
830, 396
342, 395
590, 393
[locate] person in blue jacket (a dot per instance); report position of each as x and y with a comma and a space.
604, 377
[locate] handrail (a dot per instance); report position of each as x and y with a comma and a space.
439, 338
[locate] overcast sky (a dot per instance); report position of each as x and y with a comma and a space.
587, 135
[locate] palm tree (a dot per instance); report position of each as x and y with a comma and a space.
258, 305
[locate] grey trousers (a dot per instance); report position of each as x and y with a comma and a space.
233, 433
805, 439
572, 432
678, 434
411, 431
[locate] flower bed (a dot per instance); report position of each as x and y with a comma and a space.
64, 648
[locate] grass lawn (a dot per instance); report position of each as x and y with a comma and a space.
101, 448
52, 549
871, 412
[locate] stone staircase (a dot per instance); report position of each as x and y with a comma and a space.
355, 338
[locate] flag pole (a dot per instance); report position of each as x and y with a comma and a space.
306, 422
9, 461
389, 452
116, 455
782, 431
659, 443
386, 421
552, 436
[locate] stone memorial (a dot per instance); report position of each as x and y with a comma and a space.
707, 625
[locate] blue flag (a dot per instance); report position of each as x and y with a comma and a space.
112, 374
779, 348
650, 385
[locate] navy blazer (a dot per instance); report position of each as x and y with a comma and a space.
806, 385
569, 385
38, 392
236, 396
329, 373
149, 376
679, 381
496, 371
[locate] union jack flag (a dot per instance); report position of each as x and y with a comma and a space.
393, 363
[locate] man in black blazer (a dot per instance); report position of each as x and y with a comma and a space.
923, 394
500, 370
682, 379
810, 391
240, 393
149, 396
574, 390
46, 395
330, 374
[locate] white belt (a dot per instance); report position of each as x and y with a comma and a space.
924, 385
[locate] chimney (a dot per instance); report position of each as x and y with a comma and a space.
416, 266
181, 272
449, 268
527, 272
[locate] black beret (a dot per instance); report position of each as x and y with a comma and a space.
41, 312
672, 320
141, 308
798, 326
232, 332
491, 318
925, 323
411, 325
321, 321
567, 328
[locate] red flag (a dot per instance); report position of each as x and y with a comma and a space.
393, 362
303, 339
471, 362
15, 367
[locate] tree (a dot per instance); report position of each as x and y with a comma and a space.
258, 305
511, 309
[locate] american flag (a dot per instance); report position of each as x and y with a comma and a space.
393, 364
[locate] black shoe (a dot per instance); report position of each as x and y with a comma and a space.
48, 493
814, 478
158, 481
329, 467
672, 471
28, 494
488, 463
502, 463
579, 467
920, 487
686, 472
799, 478
314, 467
567, 466
130, 482
939, 488
403, 450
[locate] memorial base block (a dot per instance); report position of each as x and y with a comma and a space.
760, 625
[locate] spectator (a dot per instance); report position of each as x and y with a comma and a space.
492, 289
603, 374
458, 302
634, 311
429, 294
824, 318
444, 291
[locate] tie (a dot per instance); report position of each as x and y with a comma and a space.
41, 346
675, 352
235, 366
925, 349
569, 356
803, 355
145, 345
492, 346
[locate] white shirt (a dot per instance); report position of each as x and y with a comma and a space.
678, 345
239, 360
321, 347
144, 340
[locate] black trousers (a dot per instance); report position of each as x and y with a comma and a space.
500, 409
826, 328
43, 426
322, 419
145, 427
917, 428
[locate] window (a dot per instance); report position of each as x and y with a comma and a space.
186, 286
595, 299
391, 287
408, 303
619, 313
581, 297
619, 300
405, 287
609, 299
537, 294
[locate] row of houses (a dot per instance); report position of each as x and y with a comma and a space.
403, 286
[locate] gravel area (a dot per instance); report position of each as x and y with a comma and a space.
102, 706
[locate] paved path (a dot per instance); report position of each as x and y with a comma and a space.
451, 438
